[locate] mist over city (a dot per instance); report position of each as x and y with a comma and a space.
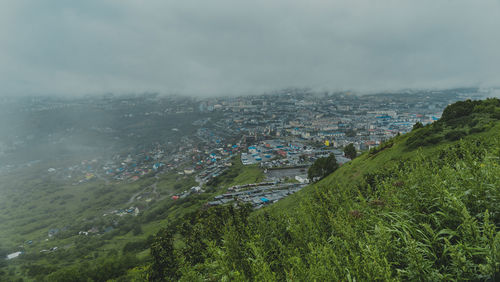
249, 141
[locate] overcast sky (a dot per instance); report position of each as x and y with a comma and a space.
243, 47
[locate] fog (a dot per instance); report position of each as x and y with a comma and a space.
218, 47
136, 138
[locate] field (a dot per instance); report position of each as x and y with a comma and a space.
31, 207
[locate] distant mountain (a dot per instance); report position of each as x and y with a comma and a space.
421, 206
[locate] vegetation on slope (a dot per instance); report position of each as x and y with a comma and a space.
458, 120
322, 167
238, 174
405, 211
123, 252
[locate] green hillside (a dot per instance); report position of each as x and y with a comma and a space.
422, 206
106, 255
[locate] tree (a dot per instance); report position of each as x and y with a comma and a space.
350, 133
350, 151
417, 125
322, 167
165, 264
458, 110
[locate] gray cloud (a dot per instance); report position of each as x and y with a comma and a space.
240, 47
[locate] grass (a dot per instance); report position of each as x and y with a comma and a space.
418, 215
50, 207
30, 206
397, 213
238, 174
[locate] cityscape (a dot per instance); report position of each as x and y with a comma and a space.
283, 133
249, 141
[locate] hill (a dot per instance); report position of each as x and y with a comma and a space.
102, 253
422, 206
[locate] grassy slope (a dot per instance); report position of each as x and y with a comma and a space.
239, 174
397, 213
414, 203
19, 226
33, 206
351, 174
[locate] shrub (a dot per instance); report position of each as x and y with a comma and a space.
455, 135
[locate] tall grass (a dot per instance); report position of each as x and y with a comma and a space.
429, 218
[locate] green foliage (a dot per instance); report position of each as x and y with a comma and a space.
165, 265
433, 215
350, 133
385, 145
458, 110
426, 136
350, 151
417, 125
455, 135
203, 234
237, 174
476, 116
136, 246
322, 167
102, 269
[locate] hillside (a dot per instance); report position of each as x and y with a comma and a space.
422, 206
98, 255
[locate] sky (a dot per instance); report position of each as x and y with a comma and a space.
233, 47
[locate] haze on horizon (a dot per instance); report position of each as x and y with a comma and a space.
226, 47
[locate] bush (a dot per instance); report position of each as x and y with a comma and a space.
417, 125
322, 167
458, 110
350, 151
135, 246
455, 135
477, 130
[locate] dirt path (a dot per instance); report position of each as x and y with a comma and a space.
142, 191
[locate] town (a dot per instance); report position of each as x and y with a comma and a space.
281, 134
289, 128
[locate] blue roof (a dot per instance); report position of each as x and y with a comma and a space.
265, 200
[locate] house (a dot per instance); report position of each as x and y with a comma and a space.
302, 179
14, 255
196, 189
